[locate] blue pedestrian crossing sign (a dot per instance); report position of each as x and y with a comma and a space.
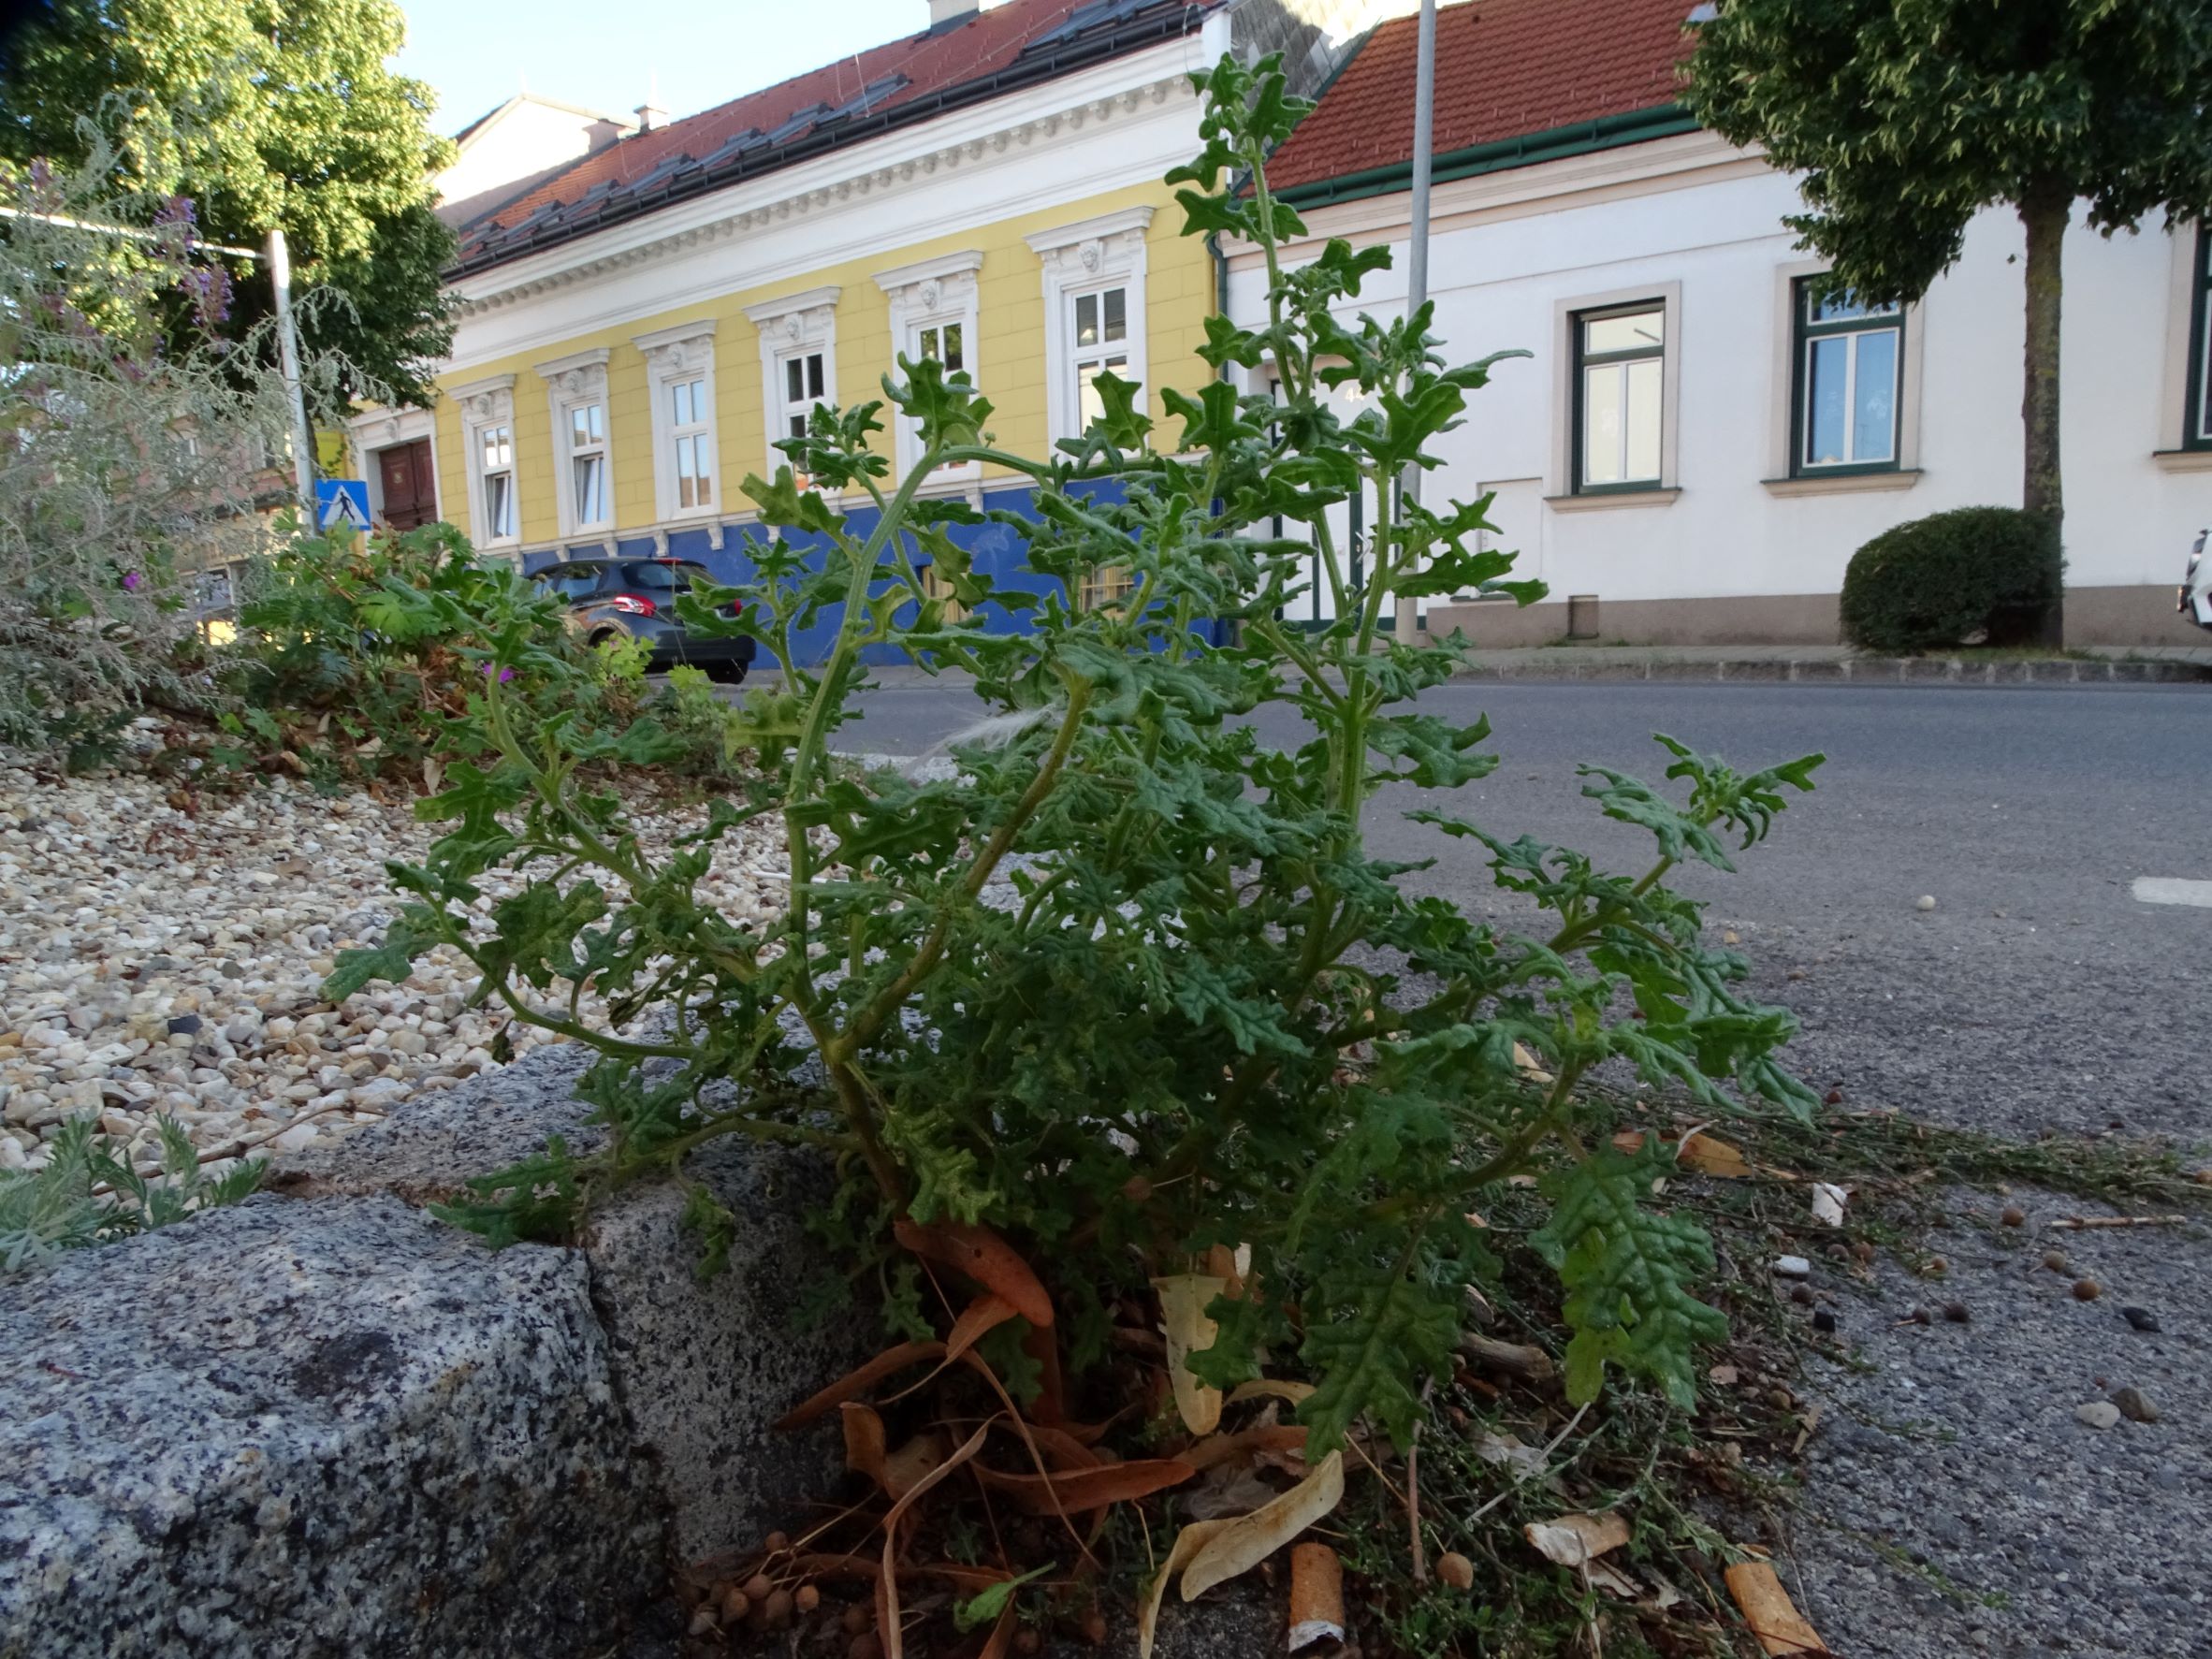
341, 504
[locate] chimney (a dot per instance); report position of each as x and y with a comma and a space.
649, 113
949, 14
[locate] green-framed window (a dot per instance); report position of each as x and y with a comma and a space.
1620, 397
1849, 373
2197, 421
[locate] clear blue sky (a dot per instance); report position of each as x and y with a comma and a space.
606, 56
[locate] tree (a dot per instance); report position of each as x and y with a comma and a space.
263, 114
1908, 117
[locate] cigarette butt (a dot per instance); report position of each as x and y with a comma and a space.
1317, 1596
1767, 1609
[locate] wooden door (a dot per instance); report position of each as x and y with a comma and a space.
410, 492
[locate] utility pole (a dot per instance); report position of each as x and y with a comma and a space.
1416, 264
303, 448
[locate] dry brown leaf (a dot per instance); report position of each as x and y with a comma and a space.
865, 1442
1245, 1543
1767, 1609
983, 1257
887, 1621
1246, 1442
1077, 1490
1268, 1388
1707, 1155
979, 1317
1317, 1596
1529, 1068
1577, 1540
1187, 1543
860, 1381
906, 1467
1227, 1492
1183, 1299
1002, 1633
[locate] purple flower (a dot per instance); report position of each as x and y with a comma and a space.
506, 674
208, 286
131, 580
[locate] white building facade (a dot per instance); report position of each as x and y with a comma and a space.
1698, 444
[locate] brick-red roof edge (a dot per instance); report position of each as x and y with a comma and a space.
1505, 69
853, 97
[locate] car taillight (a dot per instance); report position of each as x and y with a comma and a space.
632, 606
735, 608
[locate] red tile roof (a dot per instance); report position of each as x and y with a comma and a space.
1505, 69
857, 95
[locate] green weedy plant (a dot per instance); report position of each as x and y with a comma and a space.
89, 1193
1130, 984
359, 652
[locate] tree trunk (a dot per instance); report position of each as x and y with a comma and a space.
2045, 211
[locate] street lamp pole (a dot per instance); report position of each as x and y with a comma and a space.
1416, 263
303, 452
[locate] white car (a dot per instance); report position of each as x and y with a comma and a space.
2195, 598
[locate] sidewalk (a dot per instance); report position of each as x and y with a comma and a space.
1803, 664
1842, 665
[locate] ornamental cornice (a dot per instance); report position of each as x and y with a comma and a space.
886, 178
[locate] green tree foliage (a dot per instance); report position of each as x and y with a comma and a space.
263, 114
1939, 581
1130, 984
1908, 117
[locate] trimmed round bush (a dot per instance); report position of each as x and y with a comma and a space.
1946, 579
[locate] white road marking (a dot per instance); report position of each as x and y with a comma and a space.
2169, 890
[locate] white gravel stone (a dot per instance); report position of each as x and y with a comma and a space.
126, 909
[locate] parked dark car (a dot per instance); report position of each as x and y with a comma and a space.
637, 597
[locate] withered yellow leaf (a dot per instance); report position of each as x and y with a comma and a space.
1244, 1543
1183, 1302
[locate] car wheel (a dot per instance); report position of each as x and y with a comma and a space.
726, 674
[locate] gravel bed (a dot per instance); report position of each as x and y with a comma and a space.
163, 954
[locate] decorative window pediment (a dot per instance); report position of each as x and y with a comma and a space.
577, 396
1094, 310
935, 313
681, 387
487, 438
798, 361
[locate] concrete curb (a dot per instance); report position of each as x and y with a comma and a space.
1859, 671
321, 1423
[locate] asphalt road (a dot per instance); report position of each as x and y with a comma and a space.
2039, 993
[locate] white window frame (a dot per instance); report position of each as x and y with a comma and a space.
486, 404
1089, 256
932, 294
1560, 484
796, 326
577, 382
1783, 478
682, 351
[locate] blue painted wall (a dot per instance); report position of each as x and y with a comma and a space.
997, 551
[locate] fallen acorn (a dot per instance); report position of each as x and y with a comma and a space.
1456, 1571
2055, 1261
807, 1598
1935, 1267
2014, 1216
778, 1606
758, 1586
856, 1620
2086, 1289
735, 1604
